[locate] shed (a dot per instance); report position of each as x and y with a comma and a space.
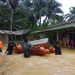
5, 34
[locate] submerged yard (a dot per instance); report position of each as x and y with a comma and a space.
50, 64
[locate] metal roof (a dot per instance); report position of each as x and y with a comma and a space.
58, 26
62, 25
19, 32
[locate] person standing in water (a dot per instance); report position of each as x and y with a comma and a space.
1, 45
26, 48
10, 47
57, 48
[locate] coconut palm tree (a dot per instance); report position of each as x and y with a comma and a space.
70, 15
30, 12
38, 8
53, 9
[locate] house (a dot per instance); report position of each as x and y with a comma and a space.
64, 32
5, 35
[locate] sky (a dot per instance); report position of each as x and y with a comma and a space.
66, 4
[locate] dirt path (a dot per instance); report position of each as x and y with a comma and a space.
40, 65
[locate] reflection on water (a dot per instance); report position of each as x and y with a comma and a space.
41, 65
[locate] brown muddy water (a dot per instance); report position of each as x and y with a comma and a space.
50, 64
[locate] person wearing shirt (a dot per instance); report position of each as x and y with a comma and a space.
1, 45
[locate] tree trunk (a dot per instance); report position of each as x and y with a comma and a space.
11, 20
40, 22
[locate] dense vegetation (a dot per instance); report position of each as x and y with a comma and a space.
22, 14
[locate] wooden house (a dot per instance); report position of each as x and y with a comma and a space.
5, 35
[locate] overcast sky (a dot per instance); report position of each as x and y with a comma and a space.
66, 4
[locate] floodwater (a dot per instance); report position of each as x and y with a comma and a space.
50, 64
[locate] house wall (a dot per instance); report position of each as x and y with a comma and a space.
4, 38
16, 38
0, 37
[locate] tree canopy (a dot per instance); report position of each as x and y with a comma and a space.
71, 15
28, 14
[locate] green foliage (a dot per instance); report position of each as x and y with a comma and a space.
29, 13
70, 15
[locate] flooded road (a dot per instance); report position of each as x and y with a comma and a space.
50, 64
